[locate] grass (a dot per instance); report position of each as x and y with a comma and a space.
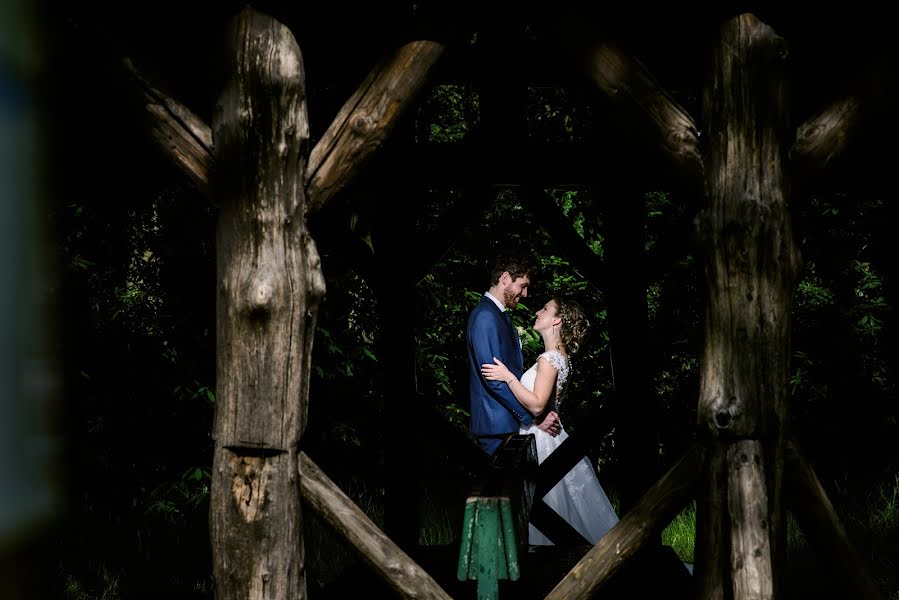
681, 533
107, 586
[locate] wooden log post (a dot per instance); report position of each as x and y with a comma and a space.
751, 263
269, 285
358, 130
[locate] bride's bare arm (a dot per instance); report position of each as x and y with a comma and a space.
534, 401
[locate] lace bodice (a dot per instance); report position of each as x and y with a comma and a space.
562, 365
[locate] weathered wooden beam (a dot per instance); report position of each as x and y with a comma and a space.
629, 84
825, 136
751, 265
367, 118
809, 503
639, 527
187, 140
363, 536
180, 134
359, 129
269, 284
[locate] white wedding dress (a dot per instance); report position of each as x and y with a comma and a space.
578, 497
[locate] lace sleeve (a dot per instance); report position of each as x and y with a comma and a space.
557, 360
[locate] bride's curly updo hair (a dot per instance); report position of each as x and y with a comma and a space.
574, 323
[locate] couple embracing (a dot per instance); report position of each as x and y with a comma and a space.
506, 399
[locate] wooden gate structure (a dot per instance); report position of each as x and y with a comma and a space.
744, 158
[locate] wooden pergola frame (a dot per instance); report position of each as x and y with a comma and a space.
253, 162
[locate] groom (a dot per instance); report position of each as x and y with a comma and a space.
495, 413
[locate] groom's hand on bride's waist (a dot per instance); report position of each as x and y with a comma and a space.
550, 423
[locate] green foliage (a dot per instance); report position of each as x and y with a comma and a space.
175, 499
452, 113
557, 114
884, 508
870, 304
576, 207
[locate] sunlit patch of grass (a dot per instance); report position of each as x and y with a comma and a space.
680, 534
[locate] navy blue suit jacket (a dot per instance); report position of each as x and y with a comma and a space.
494, 409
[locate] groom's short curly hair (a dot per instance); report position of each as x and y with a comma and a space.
518, 264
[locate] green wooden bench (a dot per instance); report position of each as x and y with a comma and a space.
495, 524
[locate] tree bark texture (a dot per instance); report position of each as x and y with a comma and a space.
269, 285
366, 119
751, 263
749, 535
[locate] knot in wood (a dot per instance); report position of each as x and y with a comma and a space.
723, 419
361, 123
262, 293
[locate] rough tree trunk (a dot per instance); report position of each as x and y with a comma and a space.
750, 266
269, 284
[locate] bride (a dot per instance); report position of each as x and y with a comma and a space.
578, 498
